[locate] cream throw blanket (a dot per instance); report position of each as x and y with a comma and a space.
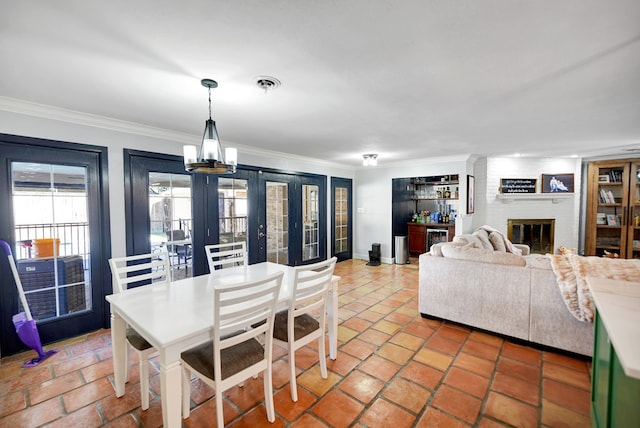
572, 270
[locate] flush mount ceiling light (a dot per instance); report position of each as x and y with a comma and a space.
370, 159
212, 159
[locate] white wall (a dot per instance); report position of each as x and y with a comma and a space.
372, 200
495, 213
371, 186
116, 139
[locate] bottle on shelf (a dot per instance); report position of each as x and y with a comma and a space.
455, 194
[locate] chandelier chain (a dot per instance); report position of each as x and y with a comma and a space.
209, 102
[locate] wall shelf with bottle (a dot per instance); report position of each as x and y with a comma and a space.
435, 198
436, 188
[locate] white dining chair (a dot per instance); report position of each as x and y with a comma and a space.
305, 318
226, 255
133, 271
243, 314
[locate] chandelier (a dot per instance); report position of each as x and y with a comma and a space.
211, 159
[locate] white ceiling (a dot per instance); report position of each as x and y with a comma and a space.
405, 79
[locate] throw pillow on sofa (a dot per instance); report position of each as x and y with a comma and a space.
497, 241
436, 249
464, 252
468, 239
483, 236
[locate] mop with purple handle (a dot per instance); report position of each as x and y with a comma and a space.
24, 323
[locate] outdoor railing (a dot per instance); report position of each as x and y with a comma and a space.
74, 238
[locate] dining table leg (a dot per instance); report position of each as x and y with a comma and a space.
119, 352
171, 390
332, 309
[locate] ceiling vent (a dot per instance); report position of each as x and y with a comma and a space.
267, 83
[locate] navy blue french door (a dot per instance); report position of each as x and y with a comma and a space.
54, 215
341, 233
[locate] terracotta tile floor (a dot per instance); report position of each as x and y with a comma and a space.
394, 368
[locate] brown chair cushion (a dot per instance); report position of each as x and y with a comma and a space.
137, 341
303, 325
234, 359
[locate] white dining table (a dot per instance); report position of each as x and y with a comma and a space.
177, 316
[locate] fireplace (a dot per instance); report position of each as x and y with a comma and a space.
536, 233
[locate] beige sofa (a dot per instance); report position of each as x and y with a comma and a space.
499, 291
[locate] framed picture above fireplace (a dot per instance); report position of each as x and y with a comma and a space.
557, 183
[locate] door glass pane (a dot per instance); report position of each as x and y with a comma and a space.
170, 219
277, 222
310, 222
232, 209
634, 216
341, 219
52, 237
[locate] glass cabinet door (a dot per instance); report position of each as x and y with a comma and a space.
633, 230
610, 208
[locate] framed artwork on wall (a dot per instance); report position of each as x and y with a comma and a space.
471, 189
557, 183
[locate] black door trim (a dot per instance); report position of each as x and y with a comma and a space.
99, 316
348, 183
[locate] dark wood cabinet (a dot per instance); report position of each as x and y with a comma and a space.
417, 239
418, 235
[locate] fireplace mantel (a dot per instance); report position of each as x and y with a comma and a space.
553, 197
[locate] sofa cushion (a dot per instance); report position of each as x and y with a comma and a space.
538, 261
497, 242
464, 252
468, 239
483, 236
435, 249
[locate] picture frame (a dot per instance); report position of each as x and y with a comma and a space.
518, 185
603, 178
471, 188
557, 183
612, 220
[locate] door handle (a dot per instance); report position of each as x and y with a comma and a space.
260, 235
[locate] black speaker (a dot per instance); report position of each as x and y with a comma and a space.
374, 255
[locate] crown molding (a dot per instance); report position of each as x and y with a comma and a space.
14, 105
286, 156
419, 162
85, 119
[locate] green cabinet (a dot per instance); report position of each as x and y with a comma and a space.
615, 397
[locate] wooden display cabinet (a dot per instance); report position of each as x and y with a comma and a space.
613, 208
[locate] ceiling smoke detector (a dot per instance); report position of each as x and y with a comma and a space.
267, 83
